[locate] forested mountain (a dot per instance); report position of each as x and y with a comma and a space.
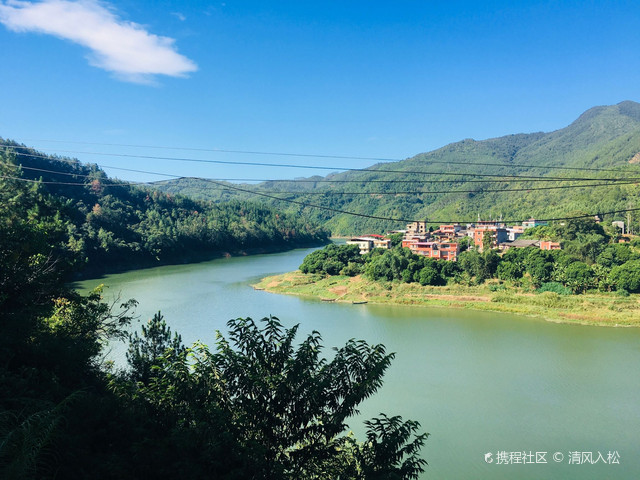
105, 221
602, 137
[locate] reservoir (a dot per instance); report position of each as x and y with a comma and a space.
545, 400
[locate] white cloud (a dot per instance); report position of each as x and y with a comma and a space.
121, 47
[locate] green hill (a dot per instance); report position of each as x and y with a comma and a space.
107, 224
602, 137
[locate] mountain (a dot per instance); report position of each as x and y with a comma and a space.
602, 137
108, 224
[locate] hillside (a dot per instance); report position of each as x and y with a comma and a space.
106, 224
602, 137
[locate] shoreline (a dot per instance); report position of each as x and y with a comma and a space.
602, 309
95, 273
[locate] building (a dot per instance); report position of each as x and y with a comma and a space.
514, 232
497, 231
417, 228
533, 223
450, 229
438, 250
544, 245
366, 244
524, 243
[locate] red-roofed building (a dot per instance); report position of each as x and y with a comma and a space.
439, 250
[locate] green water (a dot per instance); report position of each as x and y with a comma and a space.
477, 382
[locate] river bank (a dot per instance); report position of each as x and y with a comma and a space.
90, 271
601, 309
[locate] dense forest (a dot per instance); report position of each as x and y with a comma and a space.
258, 405
108, 222
589, 260
603, 137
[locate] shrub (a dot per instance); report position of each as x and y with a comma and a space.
554, 287
627, 276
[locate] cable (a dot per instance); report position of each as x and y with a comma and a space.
303, 180
316, 167
332, 192
45, 182
427, 221
308, 155
305, 204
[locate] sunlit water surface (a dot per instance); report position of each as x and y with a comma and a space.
477, 382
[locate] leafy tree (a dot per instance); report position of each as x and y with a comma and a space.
429, 276
283, 409
487, 241
627, 276
578, 277
146, 350
509, 271
396, 239
332, 259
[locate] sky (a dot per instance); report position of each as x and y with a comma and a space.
338, 78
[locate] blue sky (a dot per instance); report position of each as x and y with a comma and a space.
357, 78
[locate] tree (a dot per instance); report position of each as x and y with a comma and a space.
487, 241
282, 410
627, 276
145, 351
578, 276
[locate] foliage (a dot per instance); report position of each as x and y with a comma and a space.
108, 223
627, 276
146, 350
333, 259
554, 287
573, 270
281, 409
255, 408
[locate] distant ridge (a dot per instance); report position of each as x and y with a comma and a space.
601, 137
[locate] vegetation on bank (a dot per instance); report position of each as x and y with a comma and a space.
258, 405
587, 261
590, 280
109, 224
602, 309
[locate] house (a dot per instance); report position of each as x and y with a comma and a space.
520, 243
450, 229
544, 245
366, 244
524, 243
409, 240
533, 223
417, 228
438, 250
514, 232
497, 231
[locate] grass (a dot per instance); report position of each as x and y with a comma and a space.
602, 309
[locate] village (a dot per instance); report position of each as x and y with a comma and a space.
444, 243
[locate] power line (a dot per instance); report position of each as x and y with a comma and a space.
317, 167
410, 221
306, 204
302, 180
333, 192
310, 155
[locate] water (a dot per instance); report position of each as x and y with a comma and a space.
478, 382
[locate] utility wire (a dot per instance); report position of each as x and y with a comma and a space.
305, 180
333, 168
309, 155
333, 192
305, 204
